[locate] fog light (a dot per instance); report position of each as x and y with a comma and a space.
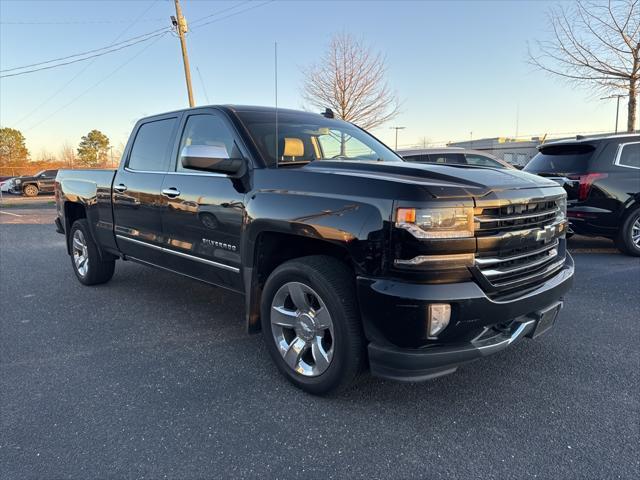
439, 316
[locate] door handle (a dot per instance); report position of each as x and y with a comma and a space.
171, 192
120, 188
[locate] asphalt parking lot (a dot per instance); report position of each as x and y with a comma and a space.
153, 376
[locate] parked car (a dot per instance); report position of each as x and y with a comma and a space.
602, 178
6, 184
32, 186
347, 255
453, 156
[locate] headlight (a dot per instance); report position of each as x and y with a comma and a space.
447, 222
17, 181
561, 203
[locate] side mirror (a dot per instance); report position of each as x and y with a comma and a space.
210, 158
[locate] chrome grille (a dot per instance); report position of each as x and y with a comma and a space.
519, 244
490, 221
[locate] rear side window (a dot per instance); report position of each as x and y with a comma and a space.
629, 155
416, 158
482, 161
151, 147
450, 158
561, 159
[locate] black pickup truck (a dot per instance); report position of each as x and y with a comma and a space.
348, 257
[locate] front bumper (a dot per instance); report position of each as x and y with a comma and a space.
394, 320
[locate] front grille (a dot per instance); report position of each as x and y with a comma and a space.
519, 245
490, 221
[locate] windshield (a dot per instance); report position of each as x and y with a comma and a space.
304, 138
561, 159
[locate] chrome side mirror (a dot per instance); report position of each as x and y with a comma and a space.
210, 158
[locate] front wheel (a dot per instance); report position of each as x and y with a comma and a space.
85, 257
310, 322
628, 240
30, 191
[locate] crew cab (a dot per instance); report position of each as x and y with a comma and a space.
348, 257
602, 178
33, 185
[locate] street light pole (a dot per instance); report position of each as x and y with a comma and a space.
617, 97
396, 129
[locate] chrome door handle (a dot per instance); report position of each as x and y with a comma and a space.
171, 192
120, 188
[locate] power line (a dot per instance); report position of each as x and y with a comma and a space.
113, 72
82, 54
218, 12
87, 66
77, 22
230, 15
86, 58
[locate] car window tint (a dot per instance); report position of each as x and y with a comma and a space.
415, 158
450, 158
207, 129
481, 160
151, 147
630, 155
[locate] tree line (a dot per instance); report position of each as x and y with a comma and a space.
93, 151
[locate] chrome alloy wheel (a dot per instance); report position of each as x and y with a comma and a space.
302, 329
80, 253
635, 233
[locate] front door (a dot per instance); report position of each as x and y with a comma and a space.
204, 215
137, 199
47, 180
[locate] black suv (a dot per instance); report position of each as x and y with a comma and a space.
602, 178
32, 185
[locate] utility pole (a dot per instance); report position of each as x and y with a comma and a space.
618, 97
181, 26
396, 129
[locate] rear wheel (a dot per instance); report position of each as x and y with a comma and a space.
628, 240
311, 325
30, 191
85, 257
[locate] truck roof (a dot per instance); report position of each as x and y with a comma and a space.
239, 109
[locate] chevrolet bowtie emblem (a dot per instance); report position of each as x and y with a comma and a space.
546, 234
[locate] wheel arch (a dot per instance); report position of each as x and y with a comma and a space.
272, 248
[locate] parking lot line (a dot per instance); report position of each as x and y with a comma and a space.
12, 214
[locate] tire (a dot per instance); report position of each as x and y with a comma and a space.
320, 360
30, 190
85, 257
628, 240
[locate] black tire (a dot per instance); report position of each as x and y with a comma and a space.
334, 282
98, 271
624, 240
30, 190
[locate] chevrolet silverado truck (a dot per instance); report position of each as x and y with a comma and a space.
348, 257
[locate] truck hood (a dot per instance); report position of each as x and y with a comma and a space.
442, 181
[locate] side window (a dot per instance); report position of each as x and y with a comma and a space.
481, 160
450, 158
630, 155
151, 147
413, 158
207, 129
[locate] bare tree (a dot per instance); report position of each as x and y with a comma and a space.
67, 155
350, 79
596, 44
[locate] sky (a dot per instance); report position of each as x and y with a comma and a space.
459, 68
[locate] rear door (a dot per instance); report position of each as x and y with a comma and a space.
137, 199
204, 212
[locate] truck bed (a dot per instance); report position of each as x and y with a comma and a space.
90, 188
